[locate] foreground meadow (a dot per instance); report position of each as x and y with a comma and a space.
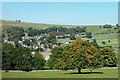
98, 73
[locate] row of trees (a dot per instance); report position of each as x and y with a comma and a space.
14, 33
56, 30
81, 54
20, 58
107, 26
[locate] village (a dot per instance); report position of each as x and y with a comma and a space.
42, 42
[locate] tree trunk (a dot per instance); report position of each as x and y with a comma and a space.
79, 70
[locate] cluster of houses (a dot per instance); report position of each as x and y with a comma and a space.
37, 45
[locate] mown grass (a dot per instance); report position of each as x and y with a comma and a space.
98, 73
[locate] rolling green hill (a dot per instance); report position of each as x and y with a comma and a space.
99, 33
9, 23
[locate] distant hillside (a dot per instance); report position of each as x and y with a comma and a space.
25, 25
10, 23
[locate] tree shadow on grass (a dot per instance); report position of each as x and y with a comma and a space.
85, 73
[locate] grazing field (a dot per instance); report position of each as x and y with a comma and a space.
98, 73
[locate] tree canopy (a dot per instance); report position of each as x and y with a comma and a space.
38, 61
20, 58
79, 54
88, 34
108, 56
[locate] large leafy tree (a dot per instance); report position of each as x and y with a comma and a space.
72, 37
54, 58
15, 33
23, 59
79, 54
7, 56
20, 58
109, 57
88, 34
38, 61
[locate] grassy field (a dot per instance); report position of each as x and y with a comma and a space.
63, 40
102, 34
25, 25
99, 73
9, 23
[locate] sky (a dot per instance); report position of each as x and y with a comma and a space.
68, 13
60, 0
